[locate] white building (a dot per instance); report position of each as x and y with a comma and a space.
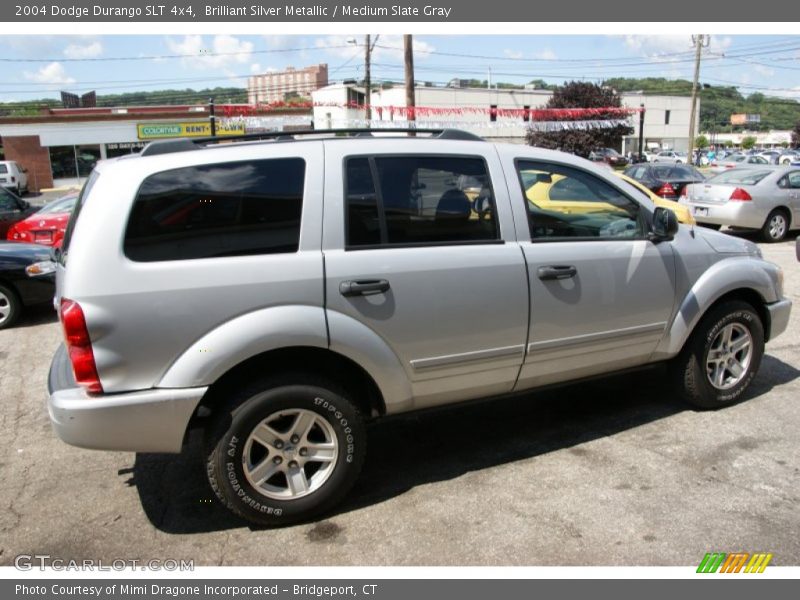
764, 139
666, 117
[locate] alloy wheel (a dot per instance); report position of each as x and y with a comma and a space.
729, 356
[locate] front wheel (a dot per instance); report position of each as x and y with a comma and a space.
287, 451
721, 357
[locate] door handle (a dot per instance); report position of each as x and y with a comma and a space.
556, 272
364, 287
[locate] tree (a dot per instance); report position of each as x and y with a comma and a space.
796, 135
728, 144
748, 142
701, 142
578, 94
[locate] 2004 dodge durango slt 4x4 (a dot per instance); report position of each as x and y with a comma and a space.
278, 292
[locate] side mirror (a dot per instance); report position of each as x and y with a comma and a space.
665, 225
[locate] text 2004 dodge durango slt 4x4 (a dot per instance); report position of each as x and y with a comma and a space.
278, 292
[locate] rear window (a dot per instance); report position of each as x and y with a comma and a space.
207, 211
740, 176
3, 169
676, 172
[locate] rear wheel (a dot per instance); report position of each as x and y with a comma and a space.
776, 226
288, 449
10, 306
721, 357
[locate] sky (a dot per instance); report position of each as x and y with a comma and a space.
39, 66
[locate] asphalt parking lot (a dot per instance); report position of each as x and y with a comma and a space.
614, 472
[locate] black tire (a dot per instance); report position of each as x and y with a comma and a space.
710, 226
10, 306
229, 452
773, 231
689, 369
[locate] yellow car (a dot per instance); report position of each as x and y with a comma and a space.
539, 188
681, 211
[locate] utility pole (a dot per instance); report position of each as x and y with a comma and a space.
367, 80
408, 54
212, 117
700, 41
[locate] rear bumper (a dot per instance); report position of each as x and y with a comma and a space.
779, 317
145, 421
737, 214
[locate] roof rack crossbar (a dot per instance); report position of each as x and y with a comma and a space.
184, 144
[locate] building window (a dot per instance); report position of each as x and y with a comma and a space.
69, 162
493, 112
666, 117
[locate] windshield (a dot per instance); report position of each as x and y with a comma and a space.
740, 176
62, 205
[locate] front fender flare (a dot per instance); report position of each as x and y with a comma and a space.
721, 278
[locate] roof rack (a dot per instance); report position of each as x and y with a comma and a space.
196, 143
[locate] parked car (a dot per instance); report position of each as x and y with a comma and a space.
13, 209
683, 213
737, 160
609, 156
27, 278
787, 157
46, 226
767, 199
276, 295
666, 181
671, 156
13, 177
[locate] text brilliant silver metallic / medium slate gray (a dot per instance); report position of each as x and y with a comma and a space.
278, 293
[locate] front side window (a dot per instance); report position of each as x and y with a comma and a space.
567, 204
411, 200
207, 211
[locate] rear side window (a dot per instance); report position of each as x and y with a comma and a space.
207, 211
412, 200
3, 168
75, 213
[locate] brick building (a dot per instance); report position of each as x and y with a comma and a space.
273, 87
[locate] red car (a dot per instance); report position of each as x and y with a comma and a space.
47, 225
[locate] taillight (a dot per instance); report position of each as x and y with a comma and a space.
740, 194
666, 191
13, 179
79, 346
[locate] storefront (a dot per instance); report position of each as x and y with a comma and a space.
61, 146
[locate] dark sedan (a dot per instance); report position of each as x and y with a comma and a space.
608, 156
27, 278
12, 210
665, 180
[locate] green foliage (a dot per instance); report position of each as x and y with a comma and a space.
701, 142
578, 94
718, 103
748, 142
796, 135
221, 95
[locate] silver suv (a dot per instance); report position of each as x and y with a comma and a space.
278, 293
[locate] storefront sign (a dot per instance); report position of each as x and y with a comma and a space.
154, 131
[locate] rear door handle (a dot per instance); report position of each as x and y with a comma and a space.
366, 287
556, 272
